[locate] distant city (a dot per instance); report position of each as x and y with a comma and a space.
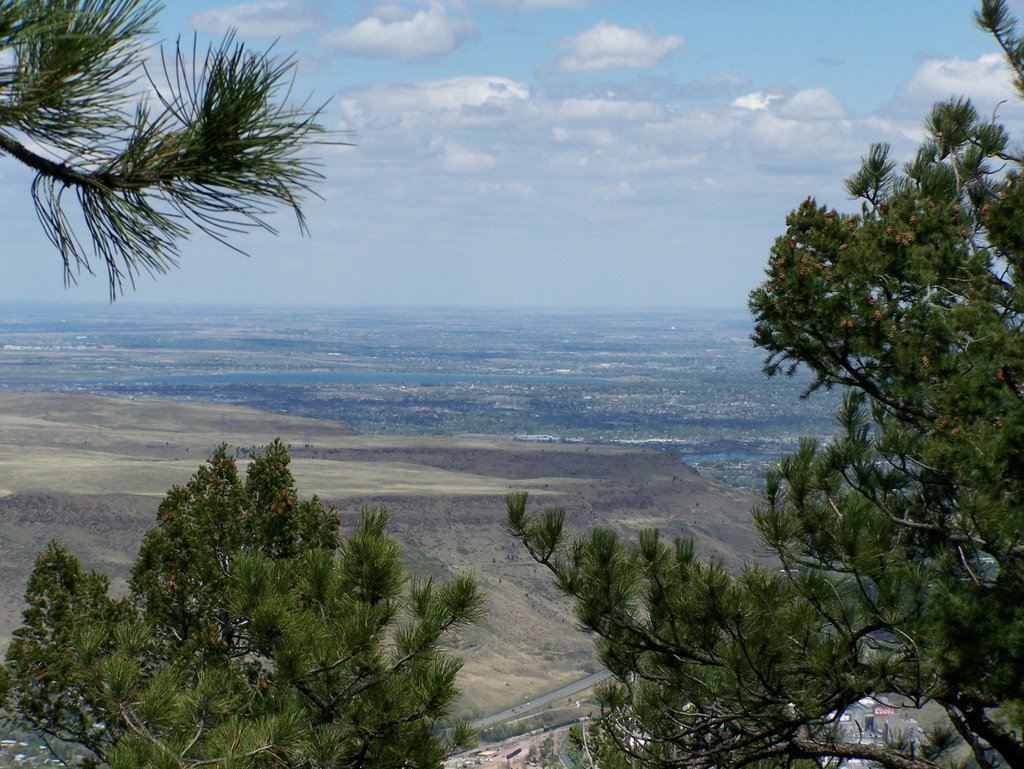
686, 382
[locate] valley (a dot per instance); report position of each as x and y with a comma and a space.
99, 494
630, 421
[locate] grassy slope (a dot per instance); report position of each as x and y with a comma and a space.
90, 472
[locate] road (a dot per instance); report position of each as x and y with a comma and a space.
541, 701
563, 753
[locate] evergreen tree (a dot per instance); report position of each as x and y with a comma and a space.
212, 147
253, 635
900, 541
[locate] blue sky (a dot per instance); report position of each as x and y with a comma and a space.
557, 153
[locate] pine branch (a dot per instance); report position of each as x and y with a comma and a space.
994, 17
880, 754
224, 149
1012, 380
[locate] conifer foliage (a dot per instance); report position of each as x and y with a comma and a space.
209, 141
253, 636
900, 542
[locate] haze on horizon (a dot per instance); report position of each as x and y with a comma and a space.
557, 153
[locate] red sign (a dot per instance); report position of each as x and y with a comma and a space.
884, 710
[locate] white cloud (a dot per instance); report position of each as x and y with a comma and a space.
652, 161
393, 33
879, 125
727, 81
616, 192
804, 146
485, 152
607, 109
986, 80
598, 137
757, 100
694, 126
460, 159
813, 104
609, 46
393, 11
269, 18
466, 100
538, 5
511, 190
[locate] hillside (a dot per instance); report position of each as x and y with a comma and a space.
90, 472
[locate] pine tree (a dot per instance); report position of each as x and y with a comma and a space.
900, 542
253, 636
213, 147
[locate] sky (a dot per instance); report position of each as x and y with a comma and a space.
555, 153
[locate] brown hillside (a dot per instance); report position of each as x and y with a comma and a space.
90, 472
